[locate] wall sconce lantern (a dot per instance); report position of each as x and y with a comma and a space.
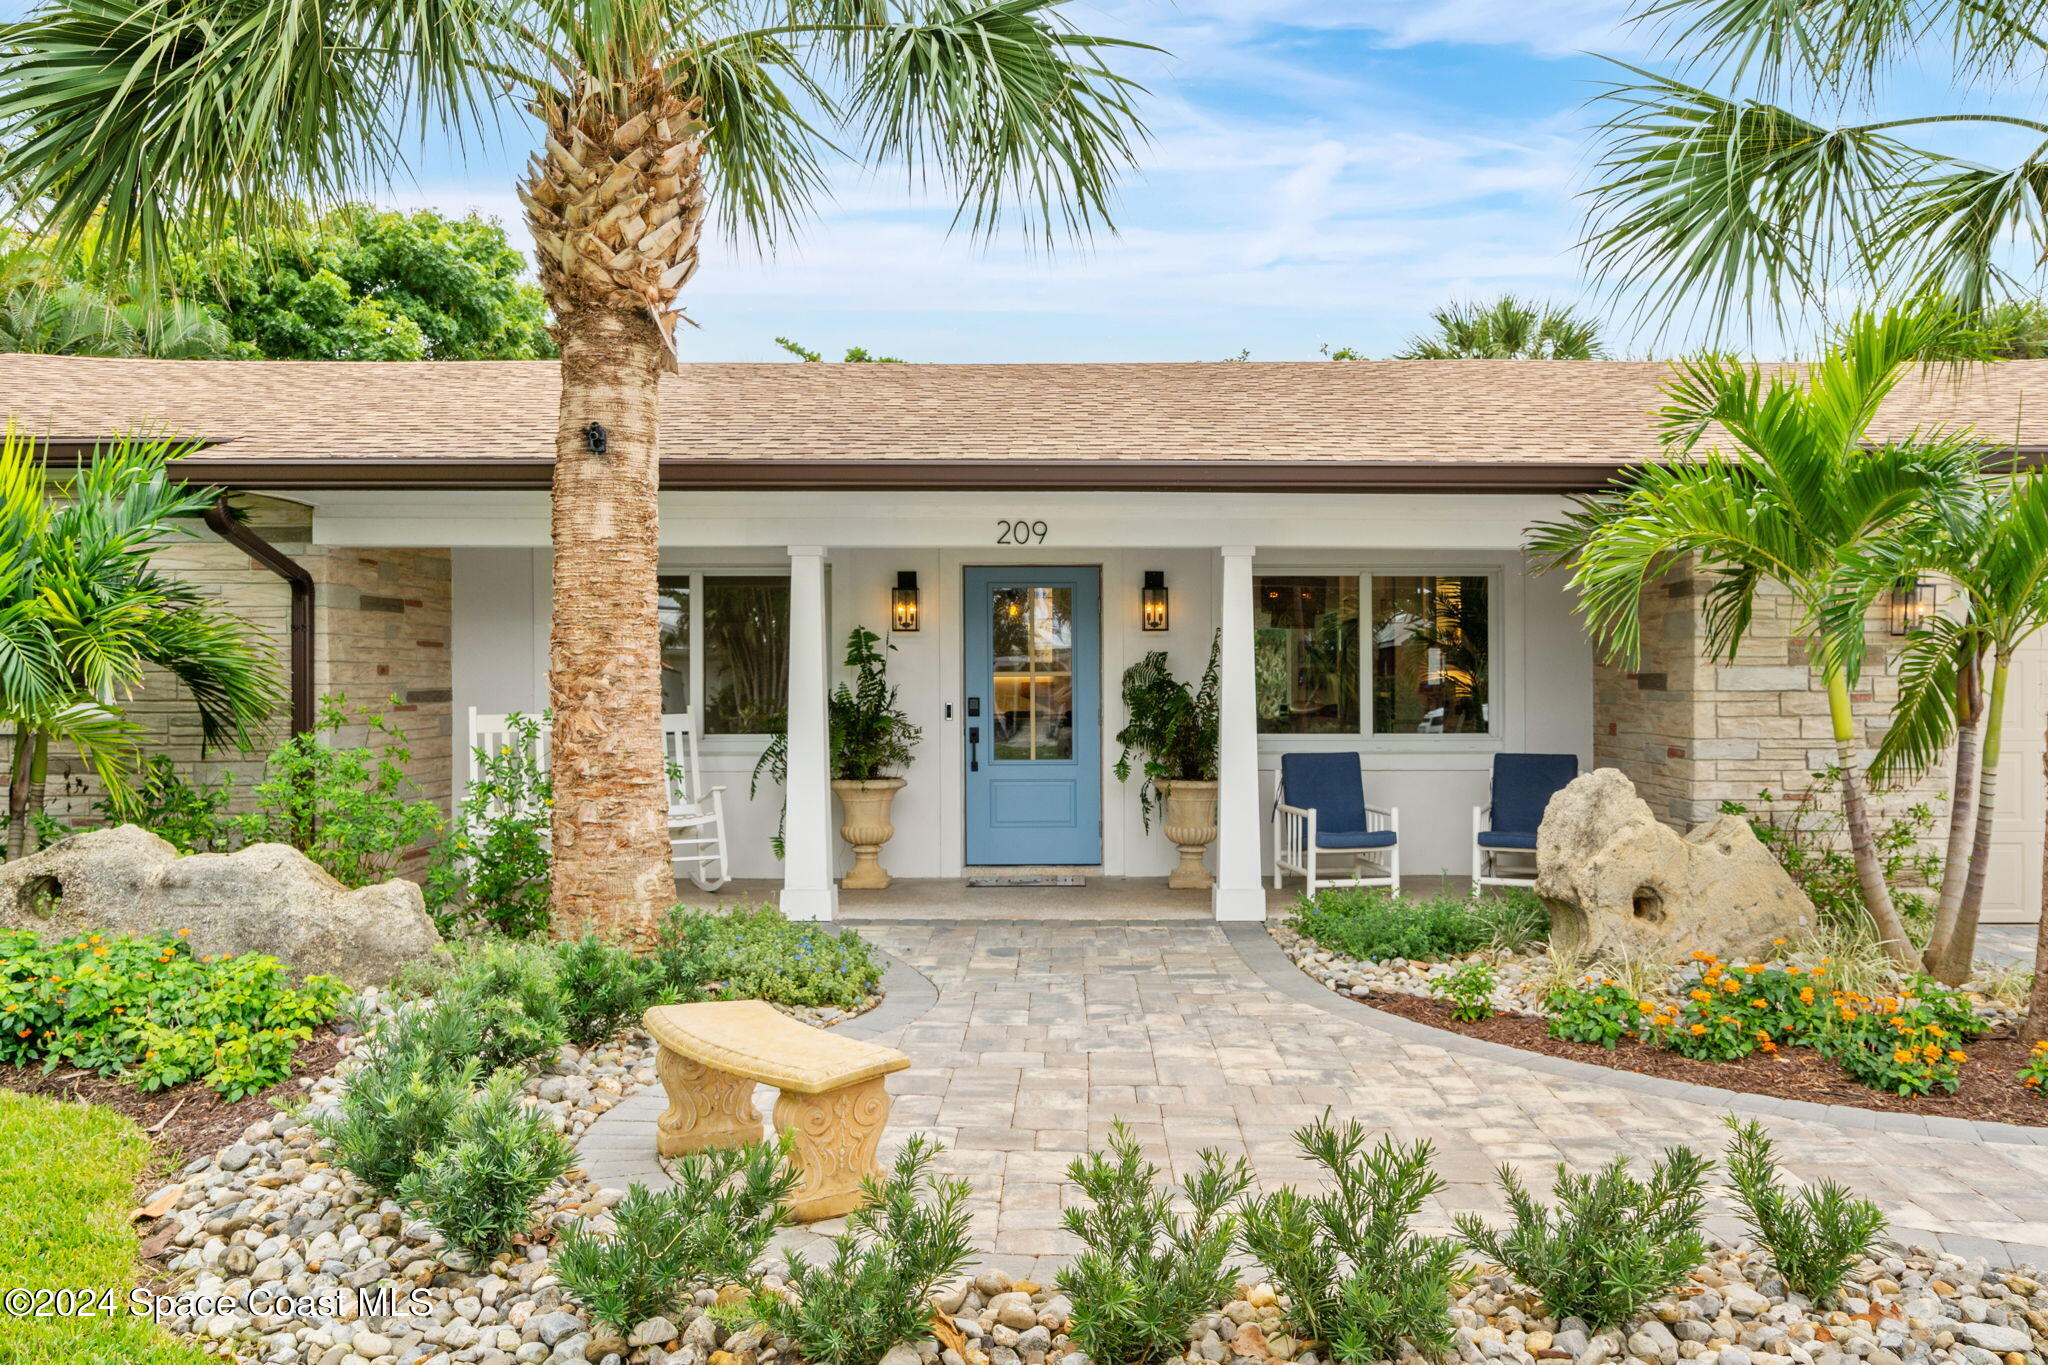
1154, 617
1912, 601
903, 602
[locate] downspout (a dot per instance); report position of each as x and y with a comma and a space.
300, 580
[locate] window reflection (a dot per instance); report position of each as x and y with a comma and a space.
1032, 709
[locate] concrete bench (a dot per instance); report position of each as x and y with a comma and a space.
834, 1100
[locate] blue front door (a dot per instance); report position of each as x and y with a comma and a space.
1034, 716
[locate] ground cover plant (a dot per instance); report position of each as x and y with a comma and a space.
1609, 1244
1352, 1270
875, 1290
757, 953
1370, 924
69, 1172
149, 1010
1148, 1269
707, 1231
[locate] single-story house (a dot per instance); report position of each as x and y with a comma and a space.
1350, 532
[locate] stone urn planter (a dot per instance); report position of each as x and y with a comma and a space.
865, 804
1191, 824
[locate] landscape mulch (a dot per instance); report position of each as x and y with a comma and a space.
184, 1121
1990, 1091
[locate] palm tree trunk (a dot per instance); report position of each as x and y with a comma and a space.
611, 865
1877, 897
1955, 866
17, 792
1958, 954
2034, 1028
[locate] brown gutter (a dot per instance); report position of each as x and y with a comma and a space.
921, 475
297, 578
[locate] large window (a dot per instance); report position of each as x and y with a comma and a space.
725, 638
1423, 664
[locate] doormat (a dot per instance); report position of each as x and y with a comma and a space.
1030, 879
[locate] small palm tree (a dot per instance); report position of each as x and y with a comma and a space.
1506, 329
83, 614
1993, 547
165, 119
1798, 492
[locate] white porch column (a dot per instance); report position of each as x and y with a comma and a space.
1239, 893
808, 892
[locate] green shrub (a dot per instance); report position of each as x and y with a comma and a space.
758, 954
1893, 1044
1370, 924
603, 989
345, 807
1469, 989
147, 1009
399, 1106
710, 1230
491, 867
897, 1249
2033, 1073
478, 1188
188, 815
1804, 833
508, 996
1353, 1271
1596, 1010
1148, 1270
1816, 1235
1609, 1245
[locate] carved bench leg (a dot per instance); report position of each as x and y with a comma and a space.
835, 1135
706, 1108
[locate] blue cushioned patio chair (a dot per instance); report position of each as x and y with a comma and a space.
1505, 831
1320, 815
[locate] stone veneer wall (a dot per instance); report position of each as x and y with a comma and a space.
381, 638
1692, 733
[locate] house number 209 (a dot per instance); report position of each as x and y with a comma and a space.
1020, 533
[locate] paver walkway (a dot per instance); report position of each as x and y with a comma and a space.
1043, 1033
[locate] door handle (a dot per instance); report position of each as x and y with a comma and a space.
973, 758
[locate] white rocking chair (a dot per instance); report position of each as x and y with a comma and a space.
493, 733
696, 813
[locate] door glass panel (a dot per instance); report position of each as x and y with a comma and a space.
1032, 682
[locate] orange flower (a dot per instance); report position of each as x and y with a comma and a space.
1902, 1055
1732, 987
1959, 1056
1701, 996
1754, 968
1698, 1029
1759, 1005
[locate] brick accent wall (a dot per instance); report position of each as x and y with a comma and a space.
381, 632
1691, 732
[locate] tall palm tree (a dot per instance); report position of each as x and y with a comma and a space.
1723, 201
83, 613
1994, 548
1798, 490
1506, 329
169, 117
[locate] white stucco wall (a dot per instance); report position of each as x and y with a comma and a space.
1542, 665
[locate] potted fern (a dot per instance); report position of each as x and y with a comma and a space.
871, 739
1171, 729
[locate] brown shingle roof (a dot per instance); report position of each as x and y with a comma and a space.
1472, 413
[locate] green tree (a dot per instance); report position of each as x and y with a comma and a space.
38, 318
1733, 205
855, 355
83, 613
1799, 491
372, 284
1993, 547
163, 124
1506, 329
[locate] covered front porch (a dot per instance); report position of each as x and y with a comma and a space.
1402, 628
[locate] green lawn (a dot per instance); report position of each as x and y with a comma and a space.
67, 1183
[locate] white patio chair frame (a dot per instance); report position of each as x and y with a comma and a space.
696, 814
1486, 869
1294, 848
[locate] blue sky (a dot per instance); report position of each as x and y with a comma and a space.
1320, 172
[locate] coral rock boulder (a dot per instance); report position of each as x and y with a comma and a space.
1618, 881
266, 898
